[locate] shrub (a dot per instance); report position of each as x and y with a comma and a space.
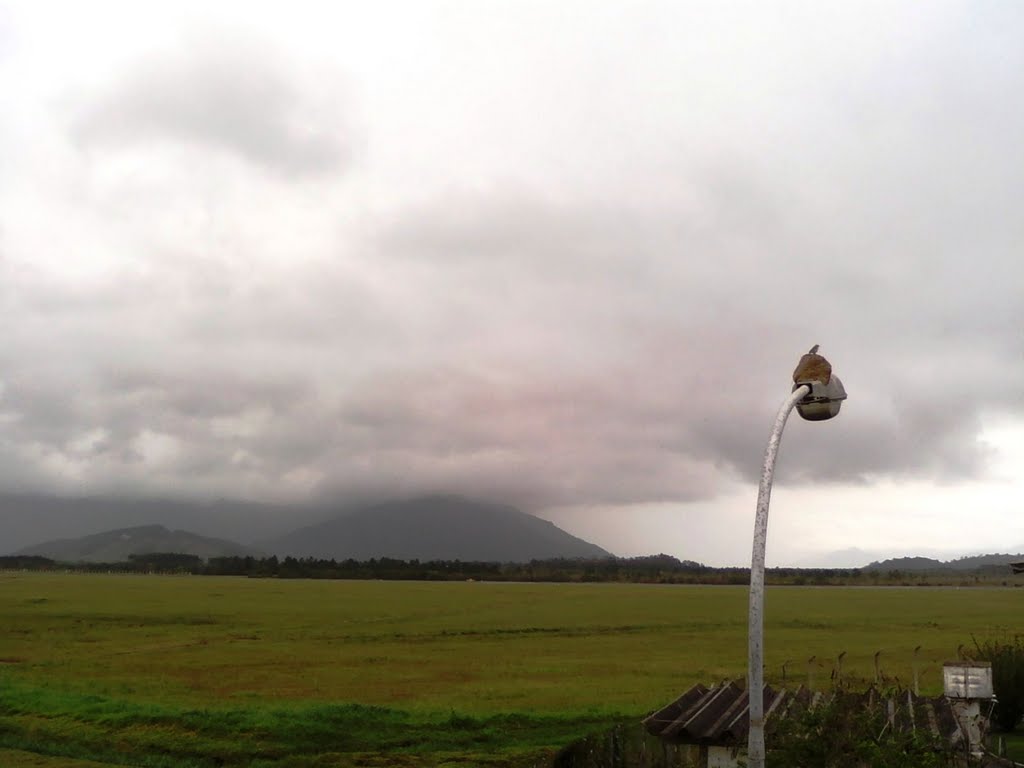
1007, 658
844, 733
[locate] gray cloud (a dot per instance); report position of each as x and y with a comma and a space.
549, 354
228, 96
531, 351
617, 336
698, 319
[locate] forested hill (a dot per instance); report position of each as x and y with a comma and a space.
434, 528
927, 564
122, 543
427, 528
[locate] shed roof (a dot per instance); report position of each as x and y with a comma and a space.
721, 714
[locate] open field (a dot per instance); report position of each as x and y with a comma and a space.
197, 671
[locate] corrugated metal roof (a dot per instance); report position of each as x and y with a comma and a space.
721, 714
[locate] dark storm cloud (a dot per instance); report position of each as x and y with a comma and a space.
539, 352
537, 436
126, 402
692, 369
227, 96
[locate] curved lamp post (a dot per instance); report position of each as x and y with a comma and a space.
817, 395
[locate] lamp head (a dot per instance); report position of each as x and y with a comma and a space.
827, 392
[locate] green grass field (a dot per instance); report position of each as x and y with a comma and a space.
1013, 744
203, 671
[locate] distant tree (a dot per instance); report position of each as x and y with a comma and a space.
165, 561
26, 563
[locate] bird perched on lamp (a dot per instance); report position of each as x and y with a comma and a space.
812, 367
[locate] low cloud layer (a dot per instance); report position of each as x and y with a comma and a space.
542, 378
229, 295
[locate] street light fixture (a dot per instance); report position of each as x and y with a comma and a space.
817, 395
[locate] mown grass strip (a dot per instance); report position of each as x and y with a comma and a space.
18, 758
52, 722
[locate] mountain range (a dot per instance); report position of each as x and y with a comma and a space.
967, 563
27, 519
118, 545
435, 528
431, 528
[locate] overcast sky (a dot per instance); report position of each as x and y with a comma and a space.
564, 255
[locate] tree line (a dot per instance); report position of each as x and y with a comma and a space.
654, 569
651, 569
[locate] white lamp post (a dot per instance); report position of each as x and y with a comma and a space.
817, 395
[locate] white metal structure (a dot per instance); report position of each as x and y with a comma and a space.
755, 660
815, 400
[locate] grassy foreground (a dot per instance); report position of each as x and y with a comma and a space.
204, 671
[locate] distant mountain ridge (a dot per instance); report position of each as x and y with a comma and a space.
118, 545
966, 563
434, 528
26, 519
430, 528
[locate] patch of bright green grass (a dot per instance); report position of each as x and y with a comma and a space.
113, 731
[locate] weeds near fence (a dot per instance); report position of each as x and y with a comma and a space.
844, 733
1007, 658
